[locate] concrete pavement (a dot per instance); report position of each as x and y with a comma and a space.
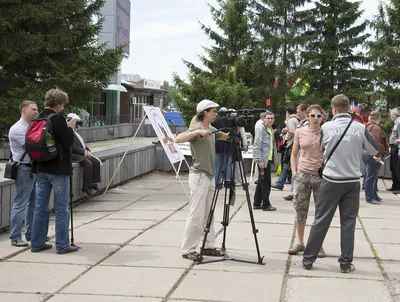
130, 241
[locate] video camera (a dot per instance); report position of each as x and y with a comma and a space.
236, 118
78, 122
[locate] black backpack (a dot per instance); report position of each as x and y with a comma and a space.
39, 140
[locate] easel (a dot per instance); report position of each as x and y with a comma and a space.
123, 157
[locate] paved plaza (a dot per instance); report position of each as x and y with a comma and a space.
131, 239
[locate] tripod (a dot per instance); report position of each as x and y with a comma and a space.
233, 149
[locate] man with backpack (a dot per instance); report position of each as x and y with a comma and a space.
49, 139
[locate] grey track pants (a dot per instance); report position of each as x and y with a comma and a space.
332, 195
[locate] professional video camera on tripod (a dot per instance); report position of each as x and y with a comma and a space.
231, 122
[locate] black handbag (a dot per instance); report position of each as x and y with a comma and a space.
11, 169
321, 169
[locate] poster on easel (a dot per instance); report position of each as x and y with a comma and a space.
164, 134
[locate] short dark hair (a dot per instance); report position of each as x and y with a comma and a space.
315, 107
26, 103
291, 110
55, 97
201, 115
341, 103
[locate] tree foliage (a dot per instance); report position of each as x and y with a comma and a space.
47, 44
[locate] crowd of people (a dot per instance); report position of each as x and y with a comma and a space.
319, 157
36, 180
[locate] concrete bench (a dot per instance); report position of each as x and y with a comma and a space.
140, 159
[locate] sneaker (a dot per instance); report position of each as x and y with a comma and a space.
275, 186
289, 197
378, 199
259, 207
374, 202
296, 249
68, 250
321, 253
347, 268
269, 208
19, 243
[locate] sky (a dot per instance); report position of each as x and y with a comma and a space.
163, 32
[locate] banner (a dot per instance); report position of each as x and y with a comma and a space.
185, 149
164, 134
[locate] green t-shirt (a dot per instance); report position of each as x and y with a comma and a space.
203, 150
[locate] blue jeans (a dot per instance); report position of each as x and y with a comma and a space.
23, 204
60, 185
372, 169
219, 162
283, 177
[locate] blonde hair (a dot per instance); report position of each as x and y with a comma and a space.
25, 104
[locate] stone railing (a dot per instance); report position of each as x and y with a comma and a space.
140, 159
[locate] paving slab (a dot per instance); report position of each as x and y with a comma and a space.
176, 225
87, 216
103, 236
160, 196
302, 289
275, 263
329, 267
105, 206
140, 215
6, 249
384, 236
126, 281
98, 298
126, 196
113, 224
229, 286
159, 238
37, 277
392, 269
265, 229
179, 216
159, 205
381, 224
388, 251
89, 254
267, 217
14, 297
148, 256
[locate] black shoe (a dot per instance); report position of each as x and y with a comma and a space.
391, 189
307, 266
396, 192
269, 208
29, 238
289, 197
87, 190
46, 246
95, 187
259, 207
275, 186
347, 268
68, 250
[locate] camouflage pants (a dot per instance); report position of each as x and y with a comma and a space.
304, 184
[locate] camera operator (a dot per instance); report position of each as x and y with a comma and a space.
202, 138
222, 159
54, 174
81, 154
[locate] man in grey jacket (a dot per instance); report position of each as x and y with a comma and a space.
340, 185
264, 154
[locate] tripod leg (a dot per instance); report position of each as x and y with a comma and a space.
249, 205
71, 197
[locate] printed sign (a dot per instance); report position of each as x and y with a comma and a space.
185, 149
164, 134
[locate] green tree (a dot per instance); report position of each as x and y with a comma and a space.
228, 72
279, 29
332, 56
385, 50
51, 43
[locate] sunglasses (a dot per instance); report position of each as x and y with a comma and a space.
315, 115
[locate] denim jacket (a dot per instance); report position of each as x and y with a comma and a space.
262, 146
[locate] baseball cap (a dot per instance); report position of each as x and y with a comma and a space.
74, 116
206, 104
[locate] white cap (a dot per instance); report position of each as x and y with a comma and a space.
74, 116
222, 109
206, 104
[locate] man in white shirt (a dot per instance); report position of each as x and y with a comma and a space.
24, 201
